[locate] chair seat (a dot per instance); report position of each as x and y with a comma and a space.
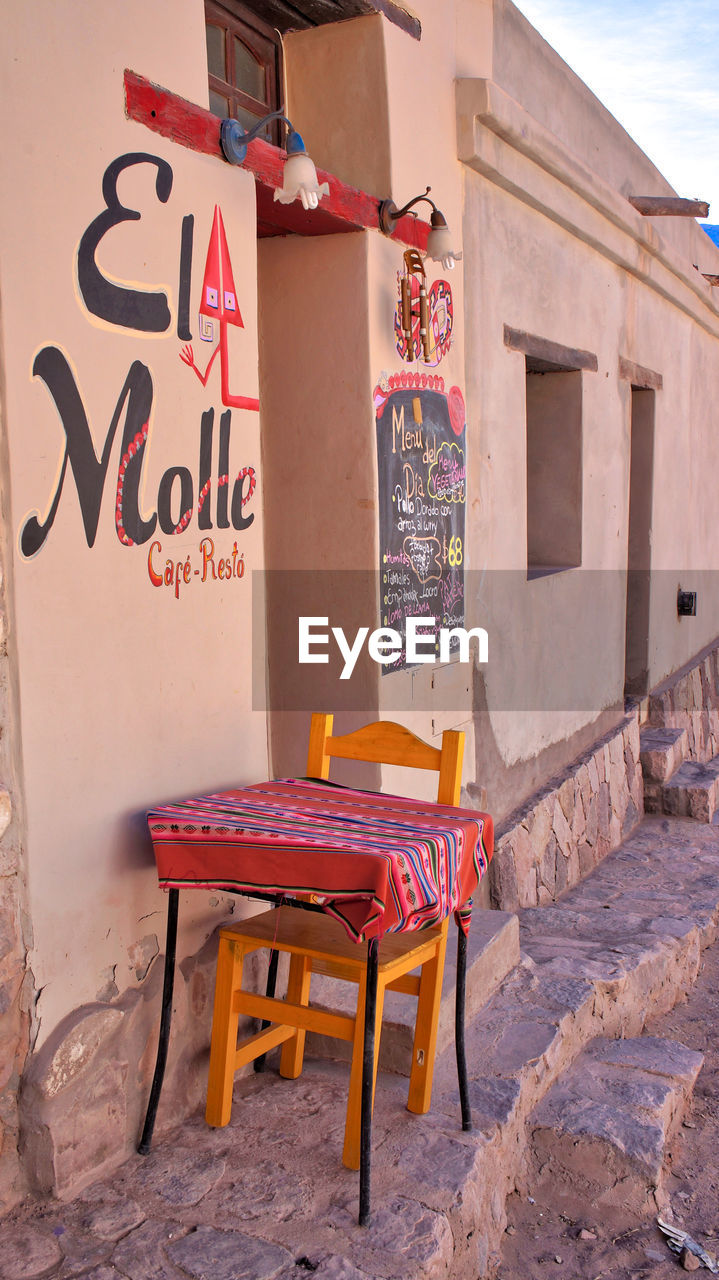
326, 939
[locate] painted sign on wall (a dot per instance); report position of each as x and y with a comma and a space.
421, 460
211, 496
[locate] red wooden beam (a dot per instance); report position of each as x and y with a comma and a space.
345, 209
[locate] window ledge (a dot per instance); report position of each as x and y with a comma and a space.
547, 570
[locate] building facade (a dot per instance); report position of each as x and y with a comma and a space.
215, 425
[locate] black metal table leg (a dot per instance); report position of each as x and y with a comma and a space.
370, 1013
165, 1020
259, 1063
459, 1028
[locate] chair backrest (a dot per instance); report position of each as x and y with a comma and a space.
385, 742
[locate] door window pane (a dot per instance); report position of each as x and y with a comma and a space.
218, 105
215, 51
248, 120
249, 73
243, 65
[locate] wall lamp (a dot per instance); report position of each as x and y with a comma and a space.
439, 240
300, 176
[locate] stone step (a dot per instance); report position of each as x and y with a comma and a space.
693, 791
622, 945
661, 752
601, 1133
492, 953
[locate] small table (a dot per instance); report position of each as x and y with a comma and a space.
379, 863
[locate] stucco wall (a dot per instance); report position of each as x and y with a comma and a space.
15, 925
132, 689
553, 251
320, 507
533, 73
551, 247
354, 96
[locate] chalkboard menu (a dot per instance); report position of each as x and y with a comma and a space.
421, 461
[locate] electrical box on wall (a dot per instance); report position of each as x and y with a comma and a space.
687, 604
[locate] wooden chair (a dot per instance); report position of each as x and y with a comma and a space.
318, 944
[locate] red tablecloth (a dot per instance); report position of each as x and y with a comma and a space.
379, 863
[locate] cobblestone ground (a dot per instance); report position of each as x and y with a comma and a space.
266, 1198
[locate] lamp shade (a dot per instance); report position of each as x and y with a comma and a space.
300, 176
439, 246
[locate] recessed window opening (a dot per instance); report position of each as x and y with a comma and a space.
243, 65
554, 467
641, 493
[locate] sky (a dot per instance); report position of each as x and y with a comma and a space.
655, 66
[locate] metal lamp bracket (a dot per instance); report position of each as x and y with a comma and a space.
389, 214
235, 140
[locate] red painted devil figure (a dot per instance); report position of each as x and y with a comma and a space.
219, 302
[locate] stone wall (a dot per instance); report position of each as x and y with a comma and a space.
86, 1089
565, 829
15, 984
689, 699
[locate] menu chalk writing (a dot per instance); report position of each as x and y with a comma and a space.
421, 460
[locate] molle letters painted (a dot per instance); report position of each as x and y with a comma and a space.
181, 496
422, 497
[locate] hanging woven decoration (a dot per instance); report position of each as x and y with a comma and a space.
414, 308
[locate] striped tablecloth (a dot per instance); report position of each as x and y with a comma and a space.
379, 863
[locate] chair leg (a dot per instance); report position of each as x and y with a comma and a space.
364, 1018
298, 992
372, 1021
259, 1063
165, 1022
425, 1029
223, 1046
459, 1029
